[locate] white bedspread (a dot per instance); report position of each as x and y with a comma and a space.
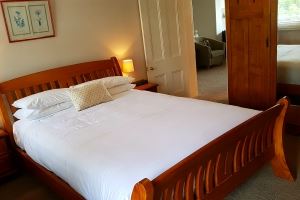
103, 151
288, 64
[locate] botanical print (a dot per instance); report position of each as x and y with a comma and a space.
19, 20
27, 20
38, 18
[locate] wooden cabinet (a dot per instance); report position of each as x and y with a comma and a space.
7, 166
251, 44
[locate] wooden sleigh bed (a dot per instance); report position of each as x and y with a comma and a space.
211, 172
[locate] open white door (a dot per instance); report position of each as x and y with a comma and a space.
169, 47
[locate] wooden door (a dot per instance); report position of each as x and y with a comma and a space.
168, 43
251, 43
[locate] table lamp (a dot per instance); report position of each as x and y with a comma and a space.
127, 66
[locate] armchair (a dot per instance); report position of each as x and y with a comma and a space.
209, 52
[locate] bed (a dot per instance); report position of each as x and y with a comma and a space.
288, 66
182, 163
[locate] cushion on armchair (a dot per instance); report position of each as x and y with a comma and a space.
209, 52
217, 53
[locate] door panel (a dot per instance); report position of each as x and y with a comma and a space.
156, 48
238, 76
250, 57
163, 35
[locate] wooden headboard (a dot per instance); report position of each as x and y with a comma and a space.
61, 77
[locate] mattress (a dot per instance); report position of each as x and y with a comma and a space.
104, 150
288, 64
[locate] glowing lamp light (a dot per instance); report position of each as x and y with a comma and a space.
128, 66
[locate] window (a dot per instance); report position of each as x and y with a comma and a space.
289, 14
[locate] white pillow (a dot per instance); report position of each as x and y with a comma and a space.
43, 99
89, 94
22, 113
121, 88
113, 81
37, 114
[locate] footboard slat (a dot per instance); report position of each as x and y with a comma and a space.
237, 157
209, 178
220, 173
245, 151
229, 163
251, 150
217, 168
178, 193
200, 183
189, 186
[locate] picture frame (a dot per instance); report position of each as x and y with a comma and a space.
27, 20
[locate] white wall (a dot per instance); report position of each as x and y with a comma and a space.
220, 18
204, 12
86, 30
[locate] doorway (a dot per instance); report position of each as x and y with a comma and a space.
288, 60
288, 50
210, 47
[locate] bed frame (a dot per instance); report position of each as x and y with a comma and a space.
284, 89
293, 92
211, 172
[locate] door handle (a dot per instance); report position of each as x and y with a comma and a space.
267, 43
150, 68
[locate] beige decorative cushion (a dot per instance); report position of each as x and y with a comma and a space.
89, 94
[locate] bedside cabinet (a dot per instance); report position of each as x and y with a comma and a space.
152, 87
7, 165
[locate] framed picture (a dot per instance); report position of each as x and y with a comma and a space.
27, 20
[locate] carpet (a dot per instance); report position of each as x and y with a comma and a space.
212, 84
266, 186
23, 186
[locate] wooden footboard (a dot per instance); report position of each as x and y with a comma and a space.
215, 170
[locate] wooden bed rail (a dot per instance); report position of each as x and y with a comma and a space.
216, 169
6, 116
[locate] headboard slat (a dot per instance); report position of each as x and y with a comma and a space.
18, 94
27, 91
45, 87
36, 89
52, 79
92, 75
79, 79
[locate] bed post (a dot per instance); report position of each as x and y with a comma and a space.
143, 190
6, 116
279, 164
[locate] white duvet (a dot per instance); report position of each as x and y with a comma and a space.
288, 64
103, 151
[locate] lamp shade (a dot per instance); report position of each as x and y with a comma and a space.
128, 66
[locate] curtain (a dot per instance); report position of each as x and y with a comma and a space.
289, 14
